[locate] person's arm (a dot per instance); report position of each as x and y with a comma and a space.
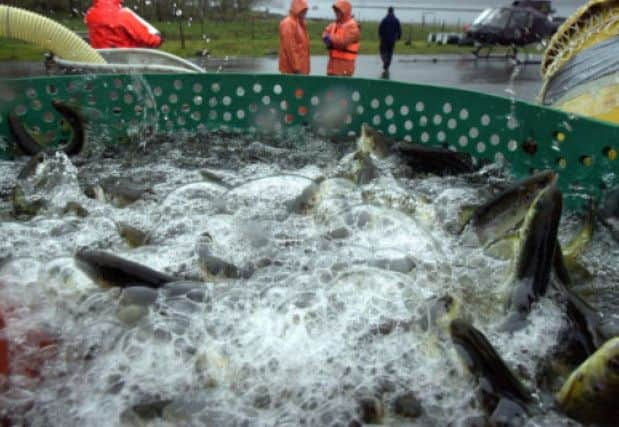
398, 29
288, 45
140, 31
350, 35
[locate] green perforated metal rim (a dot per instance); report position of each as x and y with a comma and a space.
122, 108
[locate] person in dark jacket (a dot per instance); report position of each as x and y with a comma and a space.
389, 32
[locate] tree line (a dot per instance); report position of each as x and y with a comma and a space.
155, 10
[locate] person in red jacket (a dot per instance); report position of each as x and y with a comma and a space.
294, 48
342, 39
112, 25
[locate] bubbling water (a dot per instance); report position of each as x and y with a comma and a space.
328, 320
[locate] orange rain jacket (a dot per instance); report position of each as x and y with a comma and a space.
345, 35
111, 25
294, 48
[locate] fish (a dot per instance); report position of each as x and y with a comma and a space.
366, 169
503, 395
27, 143
134, 237
24, 207
31, 167
121, 192
419, 158
375, 142
108, 270
608, 212
535, 256
504, 212
589, 395
213, 266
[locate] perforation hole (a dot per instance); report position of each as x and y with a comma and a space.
423, 121
473, 132
277, 89
226, 100
437, 119
128, 98
215, 87
389, 114
157, 91
452, 123
388, 100
495, 139
610, 153
425, 137
240, 114
512, 145
440, 136
419, 106
240, 91
266, 100
375, 103
464, 114
404, 110
196, 87
562, 162
485, 120
356, 96
463, 141
586, 160
197, 100
376, 120
447, 108
392, 129
212, 102
481, 147
512, 122
408, 125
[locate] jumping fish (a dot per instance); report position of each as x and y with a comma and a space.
420, 158
504, 212
110, 270
590, 393
535, 255
503, 395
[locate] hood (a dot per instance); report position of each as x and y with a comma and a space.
297, 6
108, 3
345, 7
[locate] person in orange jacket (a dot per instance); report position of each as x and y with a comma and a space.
342, 39
294, 47
112, 25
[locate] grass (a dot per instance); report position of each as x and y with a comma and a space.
253, 35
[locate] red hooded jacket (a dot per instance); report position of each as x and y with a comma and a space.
294, 49
345, 35
111, 25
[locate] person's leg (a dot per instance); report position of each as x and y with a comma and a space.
383, 55
388, 56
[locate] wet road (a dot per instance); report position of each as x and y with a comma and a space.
495, 76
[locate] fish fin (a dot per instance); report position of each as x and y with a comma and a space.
503, 248
465, 215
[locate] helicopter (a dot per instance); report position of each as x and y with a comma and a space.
523, 23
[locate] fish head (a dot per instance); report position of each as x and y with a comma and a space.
375, 142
